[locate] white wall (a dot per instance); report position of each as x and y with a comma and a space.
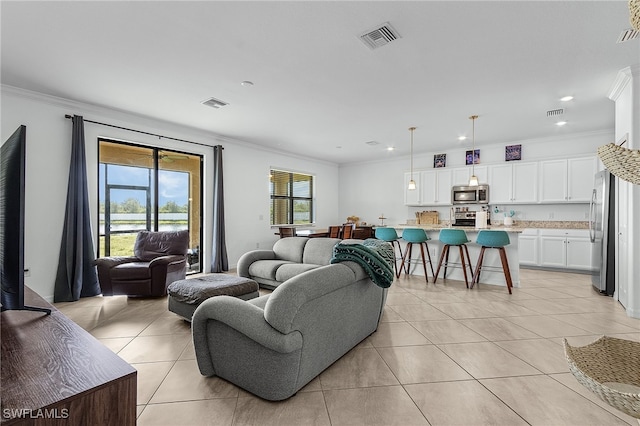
369, 189
246, 174
626, 94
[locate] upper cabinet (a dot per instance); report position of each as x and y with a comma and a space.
461, 175
513, 183
553, 181
433, 188
412, 197
569, 180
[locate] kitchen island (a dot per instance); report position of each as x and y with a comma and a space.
492, 268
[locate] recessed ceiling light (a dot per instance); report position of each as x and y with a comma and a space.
462, 138
247, 83
566, 98
561, 123
390, 148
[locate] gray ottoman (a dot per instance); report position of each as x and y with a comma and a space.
186, 295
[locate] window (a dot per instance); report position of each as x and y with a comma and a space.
145, 188
291, 198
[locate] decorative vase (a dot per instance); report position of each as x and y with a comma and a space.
508, 221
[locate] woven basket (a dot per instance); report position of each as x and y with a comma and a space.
610, 368
622, 162
634, 14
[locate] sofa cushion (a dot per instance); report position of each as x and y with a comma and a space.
290, 248
266, 268
318, 251
131, 271
290, 270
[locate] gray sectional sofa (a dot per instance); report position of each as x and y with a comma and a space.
288, 258
275, 344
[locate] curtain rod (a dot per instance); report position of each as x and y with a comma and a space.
68, 116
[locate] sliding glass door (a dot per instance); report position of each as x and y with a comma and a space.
146, 188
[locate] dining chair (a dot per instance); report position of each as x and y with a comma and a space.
347, 231
334, 232
287, 231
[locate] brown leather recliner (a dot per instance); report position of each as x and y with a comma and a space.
160, 258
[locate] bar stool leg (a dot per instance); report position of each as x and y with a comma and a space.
505, 267
466, 249
406, 263
445, 249
464, 266
424, 264
476, 274
426, 246
446, 262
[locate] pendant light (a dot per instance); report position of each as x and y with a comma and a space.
473, 180
412, 183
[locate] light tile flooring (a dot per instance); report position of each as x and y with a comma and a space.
442, 355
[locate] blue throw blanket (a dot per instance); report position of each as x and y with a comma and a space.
375, 257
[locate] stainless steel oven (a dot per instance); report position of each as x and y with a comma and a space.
470, 194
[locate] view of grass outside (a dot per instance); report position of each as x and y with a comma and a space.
121, 244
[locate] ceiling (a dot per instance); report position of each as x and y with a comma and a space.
318, 89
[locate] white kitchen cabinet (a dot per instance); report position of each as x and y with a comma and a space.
528, 247
443, 187
461, 175
412, 197
567, 249
567, 180
513, 183
433, 188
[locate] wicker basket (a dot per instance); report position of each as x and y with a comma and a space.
634, 14
622, 162
610, 368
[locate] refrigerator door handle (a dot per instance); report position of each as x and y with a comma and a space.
592, 223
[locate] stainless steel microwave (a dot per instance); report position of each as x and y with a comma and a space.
470, 194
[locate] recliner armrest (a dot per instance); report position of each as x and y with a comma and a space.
110, 262
248, 258
167, 260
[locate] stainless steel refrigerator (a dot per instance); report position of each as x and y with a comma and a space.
602, 232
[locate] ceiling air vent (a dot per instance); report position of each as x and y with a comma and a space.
214, 103
555, 112
372, 143
628, 34
378, 37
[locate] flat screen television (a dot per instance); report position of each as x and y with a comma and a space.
12, 202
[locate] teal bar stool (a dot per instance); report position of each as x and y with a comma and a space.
497, 240
416, 236
454, 237
391, 236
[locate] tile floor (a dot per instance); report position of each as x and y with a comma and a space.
442, 355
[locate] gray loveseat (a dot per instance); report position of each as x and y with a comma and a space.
288, 258
275, 344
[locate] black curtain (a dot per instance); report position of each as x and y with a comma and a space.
219, 261
76, 275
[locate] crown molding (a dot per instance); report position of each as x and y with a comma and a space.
623, 78
143, 122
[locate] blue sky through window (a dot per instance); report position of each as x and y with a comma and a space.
174, 186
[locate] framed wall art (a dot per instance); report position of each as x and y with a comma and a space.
473, 158
439, 160
512, 152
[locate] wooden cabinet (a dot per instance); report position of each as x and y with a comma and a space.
513, 183
567, 180
52, 366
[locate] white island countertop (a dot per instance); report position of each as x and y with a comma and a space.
438, 227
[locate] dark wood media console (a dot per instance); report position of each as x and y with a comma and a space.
55, 373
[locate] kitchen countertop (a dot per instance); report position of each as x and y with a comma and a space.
434, 227
518, 225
